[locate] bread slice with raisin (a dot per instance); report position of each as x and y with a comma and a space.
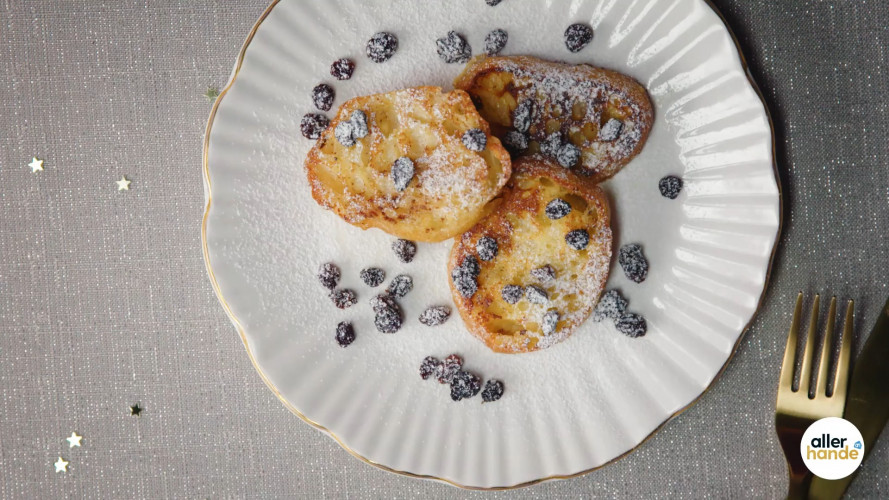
418, 163
532, 270
592, 119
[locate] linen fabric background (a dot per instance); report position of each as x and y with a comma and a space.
104, 300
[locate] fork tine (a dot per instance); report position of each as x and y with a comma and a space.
826, 349
789, 364
842, 376
805, 373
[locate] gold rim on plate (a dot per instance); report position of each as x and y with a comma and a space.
336, 438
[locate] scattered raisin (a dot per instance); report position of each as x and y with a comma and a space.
405, 250
465, 276
388, 320
578, 36
359, 124
551, 145
544, 274
611, 130
568, 155
383, 301
670, 186
495, 41
402, 173
557, 209
522, 116
322, 96
381, 47
475, 139
465, 385
578, 239
435, 315
329, 275
313, 125
486, 248
453, 48
345, 334
631, 325
493, 3
428, 367
372, 276
550, 320
345, 133
400, 286
493, 391
342, 69
612, 306
536, 295
512, 294
633, 262
446, 371
515, 141
343, 298
470, 263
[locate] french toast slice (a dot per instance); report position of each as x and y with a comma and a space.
418, 163
539, 278
584, 117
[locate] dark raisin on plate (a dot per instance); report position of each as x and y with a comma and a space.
402, 173
512, 294
329, 275
446, 371
578, 239
465, 385
633, 262
611, 130
631, 325
405, 250
670, 186
435, 315
475, 139
343, 298
578, 36
400, 286
568, 155
345, 133
486, 248
372, 276
345, 334
383, 301
313, 125
536, 295
342, 69
388, 320
359, 123
381, 47
470, 263
611, 306
493, 391
495, 41
557, 209
428, 367
453, 48
549, 322
323, 96
493, 3
544, 274
465, 276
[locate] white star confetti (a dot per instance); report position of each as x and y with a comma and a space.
123, 184
36, 165
61, 465
74, 440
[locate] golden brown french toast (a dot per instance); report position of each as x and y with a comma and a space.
418, 163
584, 117
531, 271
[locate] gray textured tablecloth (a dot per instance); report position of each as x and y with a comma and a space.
104, 301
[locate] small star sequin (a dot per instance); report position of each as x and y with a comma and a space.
61, 465
123, 184
74, 440
212, 93
135, 410
36, 165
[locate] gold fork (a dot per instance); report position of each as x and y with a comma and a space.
795, 410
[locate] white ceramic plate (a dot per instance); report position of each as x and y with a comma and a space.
567, 409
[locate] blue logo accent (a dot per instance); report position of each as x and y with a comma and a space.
857, 445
